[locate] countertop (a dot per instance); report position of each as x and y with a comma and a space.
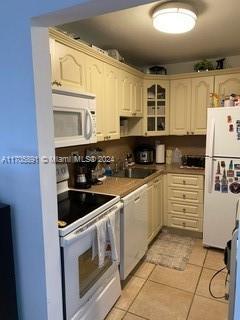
123, 186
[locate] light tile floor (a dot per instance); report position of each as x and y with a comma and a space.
159, 293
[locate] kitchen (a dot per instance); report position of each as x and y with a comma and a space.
139, 110
140, 128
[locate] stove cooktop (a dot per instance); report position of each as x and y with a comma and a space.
75, 205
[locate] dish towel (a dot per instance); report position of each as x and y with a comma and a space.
99, 241
112, 236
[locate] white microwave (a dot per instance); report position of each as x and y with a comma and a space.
74, 118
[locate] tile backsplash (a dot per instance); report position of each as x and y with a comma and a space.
192, 145
117, 149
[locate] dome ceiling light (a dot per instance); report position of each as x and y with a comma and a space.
174, 17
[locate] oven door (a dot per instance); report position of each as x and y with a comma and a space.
82, 276
72, 126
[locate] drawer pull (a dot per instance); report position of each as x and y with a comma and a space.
184, 224
184, 196
184, 181
184, 210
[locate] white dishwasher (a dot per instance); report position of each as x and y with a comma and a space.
133, 230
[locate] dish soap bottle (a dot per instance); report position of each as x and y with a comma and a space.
108, 170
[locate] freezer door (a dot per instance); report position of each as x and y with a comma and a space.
223, 132
222, 191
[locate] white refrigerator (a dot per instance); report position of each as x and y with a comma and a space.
222, 175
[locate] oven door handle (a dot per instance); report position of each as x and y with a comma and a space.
82, 231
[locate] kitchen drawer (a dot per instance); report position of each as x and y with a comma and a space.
185, 209
183, 223
193, 196
185, 181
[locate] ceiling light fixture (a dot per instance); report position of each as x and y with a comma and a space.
174, 17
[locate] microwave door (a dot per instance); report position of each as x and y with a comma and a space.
88, 125
68, 127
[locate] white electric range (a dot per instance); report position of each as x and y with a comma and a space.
89, 292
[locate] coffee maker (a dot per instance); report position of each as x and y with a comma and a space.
82, 175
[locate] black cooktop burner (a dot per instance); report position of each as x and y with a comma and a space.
73, 205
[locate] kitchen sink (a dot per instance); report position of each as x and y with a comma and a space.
135, 173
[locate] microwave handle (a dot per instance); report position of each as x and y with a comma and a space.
88, 135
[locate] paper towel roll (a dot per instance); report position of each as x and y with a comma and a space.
160, 153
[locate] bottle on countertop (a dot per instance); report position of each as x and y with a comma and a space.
108, 170
177, 156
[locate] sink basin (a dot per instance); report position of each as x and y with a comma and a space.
135, 173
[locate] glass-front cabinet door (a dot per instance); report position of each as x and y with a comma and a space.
157, 107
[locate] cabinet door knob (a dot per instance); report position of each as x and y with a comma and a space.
184, 224
184, 210
192, 132
184, 196
184, 181
187, 132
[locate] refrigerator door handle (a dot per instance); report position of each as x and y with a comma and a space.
211, 138
237, 212
210, 179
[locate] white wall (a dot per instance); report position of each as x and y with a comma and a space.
182, 67
26, 128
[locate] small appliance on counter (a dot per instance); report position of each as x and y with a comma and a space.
160, 153
144, 154
82, 176
191, 161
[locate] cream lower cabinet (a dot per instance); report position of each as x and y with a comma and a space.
190, 99
68, 67
155, 207
185, 201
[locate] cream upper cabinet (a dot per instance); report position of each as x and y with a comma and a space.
201, 89
131, 95
137, 105
95, 78
53, 60
156, 107
227, 84
126, 93
111, 104
180, 107
69, 68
